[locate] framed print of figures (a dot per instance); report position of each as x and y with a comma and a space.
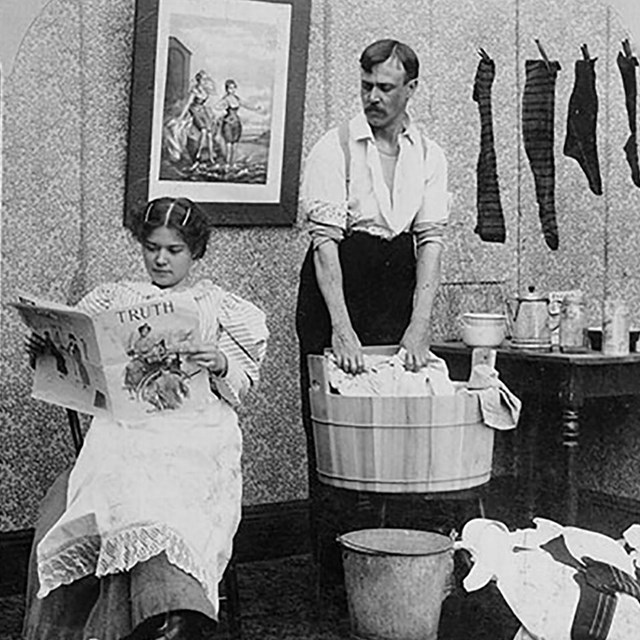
217, 105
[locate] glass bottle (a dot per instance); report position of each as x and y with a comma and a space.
572, 337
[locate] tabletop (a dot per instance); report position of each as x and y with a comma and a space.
569, 376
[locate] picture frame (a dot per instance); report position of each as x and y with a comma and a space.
217, 102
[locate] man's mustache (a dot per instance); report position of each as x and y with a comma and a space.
374, 110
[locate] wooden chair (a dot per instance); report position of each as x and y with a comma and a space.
230, 595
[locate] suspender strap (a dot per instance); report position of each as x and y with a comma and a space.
343, 138
423, 139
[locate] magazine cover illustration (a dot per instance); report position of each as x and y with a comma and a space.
129, 362
69, 373
145, 349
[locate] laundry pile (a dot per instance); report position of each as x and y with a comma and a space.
386, 376
560, 582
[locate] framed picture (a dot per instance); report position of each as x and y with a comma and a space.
217, 106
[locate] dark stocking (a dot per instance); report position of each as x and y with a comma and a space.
580, 142
597, 604
610, 579
537, 129
627, 66
490, 224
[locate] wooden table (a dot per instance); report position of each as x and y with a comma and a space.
568, 378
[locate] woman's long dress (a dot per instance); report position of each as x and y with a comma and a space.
144, 521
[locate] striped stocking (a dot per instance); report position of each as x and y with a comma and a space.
537, 129
582, 117
490, 222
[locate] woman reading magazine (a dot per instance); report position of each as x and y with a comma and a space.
133, 541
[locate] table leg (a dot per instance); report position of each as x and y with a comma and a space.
527, 449
570, 435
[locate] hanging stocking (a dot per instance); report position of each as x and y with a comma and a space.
490, 222
627, 65
582, 117
537, 129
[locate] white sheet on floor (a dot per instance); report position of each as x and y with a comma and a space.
541, 591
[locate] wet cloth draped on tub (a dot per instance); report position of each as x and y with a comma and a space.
500, 408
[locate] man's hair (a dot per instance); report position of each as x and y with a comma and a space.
382, 50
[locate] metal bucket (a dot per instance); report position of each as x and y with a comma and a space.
396, 580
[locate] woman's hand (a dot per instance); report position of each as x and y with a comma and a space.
210, 357
36, 346
347, 350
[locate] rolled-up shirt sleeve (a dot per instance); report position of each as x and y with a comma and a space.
324, 191
431, 222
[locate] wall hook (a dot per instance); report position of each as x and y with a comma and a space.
543, 54
626, 47
585, 52
484, 55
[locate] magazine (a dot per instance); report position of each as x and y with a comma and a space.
127, 362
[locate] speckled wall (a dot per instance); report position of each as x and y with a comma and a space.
64, 153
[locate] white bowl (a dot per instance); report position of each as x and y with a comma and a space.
483, 329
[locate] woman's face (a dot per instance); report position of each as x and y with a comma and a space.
167, 257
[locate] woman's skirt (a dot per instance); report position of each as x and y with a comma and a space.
202, 117
142, 524
111, 607
231, 126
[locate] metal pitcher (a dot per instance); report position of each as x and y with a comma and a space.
529, 320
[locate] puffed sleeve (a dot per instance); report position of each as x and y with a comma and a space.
242, 338
98, 299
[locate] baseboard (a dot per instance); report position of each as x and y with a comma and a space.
278, 530
608, 514
273, 530
15, 547
267, 531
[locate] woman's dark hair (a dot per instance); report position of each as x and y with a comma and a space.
382, 50
179, 214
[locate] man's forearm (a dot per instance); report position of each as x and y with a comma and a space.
329, 276
427, 281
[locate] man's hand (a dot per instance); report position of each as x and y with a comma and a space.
347, 350
415, 342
